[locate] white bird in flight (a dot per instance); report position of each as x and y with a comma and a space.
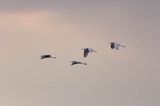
47, 56
87, 51
77, 62
115, 45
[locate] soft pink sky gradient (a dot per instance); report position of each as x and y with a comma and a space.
128, 77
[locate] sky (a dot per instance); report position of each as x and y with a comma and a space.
62, 28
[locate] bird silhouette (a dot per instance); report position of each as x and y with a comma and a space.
114, 45
77, 62
87, 51
47, 56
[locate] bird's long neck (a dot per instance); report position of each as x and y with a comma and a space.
84, 63
95, 51
122, 46
53, 57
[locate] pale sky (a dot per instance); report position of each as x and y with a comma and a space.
128, 77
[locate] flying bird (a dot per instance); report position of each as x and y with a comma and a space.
115, 45
87, 51
47, 56
77, 62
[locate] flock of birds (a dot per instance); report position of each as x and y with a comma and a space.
86, 51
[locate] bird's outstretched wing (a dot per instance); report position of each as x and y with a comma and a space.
86, 52
112, 46
44, 56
